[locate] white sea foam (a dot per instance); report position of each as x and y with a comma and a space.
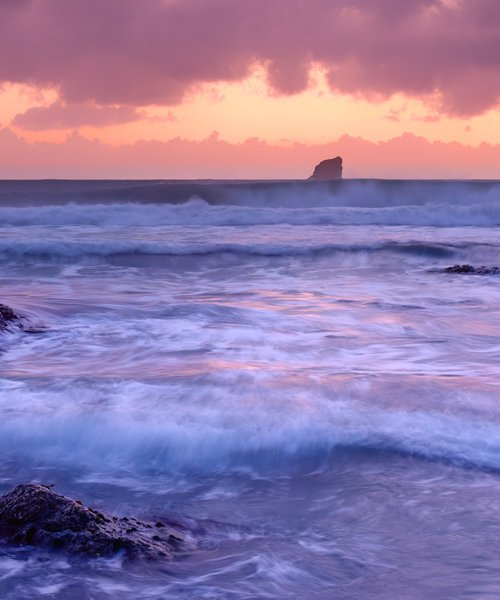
73, 248
197, 212
140, 428
293, 203
71, 242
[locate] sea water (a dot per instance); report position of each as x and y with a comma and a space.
282, 368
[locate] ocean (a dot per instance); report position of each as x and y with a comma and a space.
282, 368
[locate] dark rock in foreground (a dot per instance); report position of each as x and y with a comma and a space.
35, 515
473, 270
328, 169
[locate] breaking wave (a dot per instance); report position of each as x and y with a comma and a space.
154, 251
207, 440
143, 204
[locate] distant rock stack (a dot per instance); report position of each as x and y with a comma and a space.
330, 168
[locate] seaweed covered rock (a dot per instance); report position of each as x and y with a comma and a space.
469, 269
33, 514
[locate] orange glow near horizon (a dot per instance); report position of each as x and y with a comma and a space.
246, 115
239, 111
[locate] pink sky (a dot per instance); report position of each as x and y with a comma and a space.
115, 88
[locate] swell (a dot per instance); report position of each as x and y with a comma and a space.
70, 249
197, 212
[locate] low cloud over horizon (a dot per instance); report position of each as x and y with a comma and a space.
406, 156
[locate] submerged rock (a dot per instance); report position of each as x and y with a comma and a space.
33, 514
330, 168
473, 270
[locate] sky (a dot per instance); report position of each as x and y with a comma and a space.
249, 88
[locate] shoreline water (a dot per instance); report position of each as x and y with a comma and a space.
293, 378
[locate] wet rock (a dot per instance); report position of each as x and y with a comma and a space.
9, 319
330, 168
473, 270
7, 316
33, 514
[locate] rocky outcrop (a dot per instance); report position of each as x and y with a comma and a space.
10, 320
32, 514
469, 269
328, 169
7, 316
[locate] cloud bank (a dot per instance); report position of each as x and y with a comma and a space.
406, 156
61, 116
138, 53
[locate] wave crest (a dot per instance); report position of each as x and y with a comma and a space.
226, 436
232, 204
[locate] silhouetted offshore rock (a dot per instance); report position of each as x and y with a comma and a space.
473, 270
330, 168
35, 515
